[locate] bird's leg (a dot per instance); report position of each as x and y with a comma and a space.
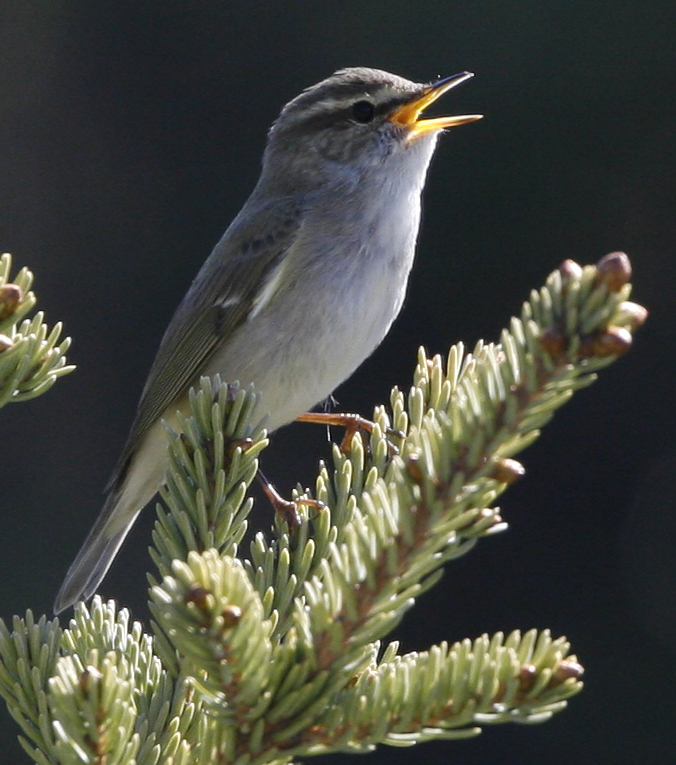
353, 423
286, 507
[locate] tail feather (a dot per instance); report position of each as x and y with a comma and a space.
96, 555
133, 487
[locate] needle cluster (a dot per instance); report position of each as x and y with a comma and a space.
275, 650
31, 357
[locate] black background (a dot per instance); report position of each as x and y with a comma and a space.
130, 135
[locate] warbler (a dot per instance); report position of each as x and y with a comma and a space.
302, 287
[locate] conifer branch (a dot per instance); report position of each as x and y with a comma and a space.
31, 357
266, 657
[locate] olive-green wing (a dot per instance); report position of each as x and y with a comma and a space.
218, 302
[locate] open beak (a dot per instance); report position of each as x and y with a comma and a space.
407, 114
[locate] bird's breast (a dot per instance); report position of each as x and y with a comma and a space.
328, 304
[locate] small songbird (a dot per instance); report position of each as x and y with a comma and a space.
302, 287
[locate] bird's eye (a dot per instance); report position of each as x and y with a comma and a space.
363, 111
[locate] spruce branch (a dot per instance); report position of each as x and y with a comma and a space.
276, 654
28, 657
31, 357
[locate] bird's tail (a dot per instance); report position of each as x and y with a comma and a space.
97, 552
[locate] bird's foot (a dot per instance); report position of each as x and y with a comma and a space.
287, 508
353, 423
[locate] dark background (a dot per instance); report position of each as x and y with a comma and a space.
130, 137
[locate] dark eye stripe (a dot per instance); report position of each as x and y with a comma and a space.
379, 110
388, 106
342, 116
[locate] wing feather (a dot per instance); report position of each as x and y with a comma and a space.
219, 300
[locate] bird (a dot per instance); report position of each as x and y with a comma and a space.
302, 287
